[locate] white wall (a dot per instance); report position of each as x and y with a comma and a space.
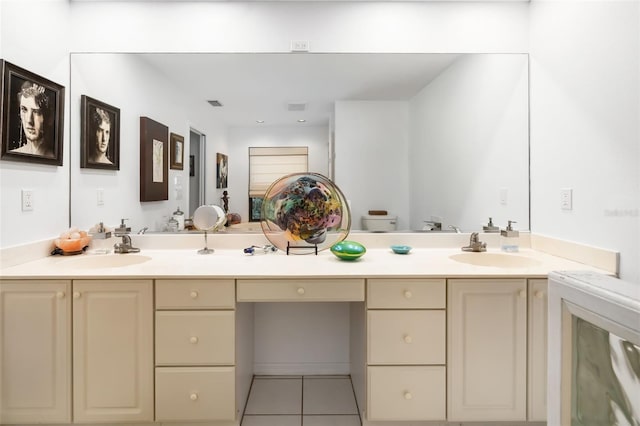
129, 83
469, 128
370, 138
241, 138
585, 133
301, 338
48, 57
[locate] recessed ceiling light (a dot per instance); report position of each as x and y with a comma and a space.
302, 120
259, 121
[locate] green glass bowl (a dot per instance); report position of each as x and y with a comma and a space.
399, 249
348, 250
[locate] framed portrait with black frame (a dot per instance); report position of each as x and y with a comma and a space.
99, 134
31, 116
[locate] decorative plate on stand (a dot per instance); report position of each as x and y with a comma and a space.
304, 213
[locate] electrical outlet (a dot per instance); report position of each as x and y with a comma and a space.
299, 46
27, 200
566, 199
504, 194
100, 197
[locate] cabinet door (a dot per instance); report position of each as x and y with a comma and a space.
537, 350
112, 351
486, 366
35, 351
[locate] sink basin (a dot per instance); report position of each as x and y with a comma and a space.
496, 260
105, 261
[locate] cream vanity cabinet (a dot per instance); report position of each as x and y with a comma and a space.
537, 373
112, 350
406, 349
112, 334
195, 350
487, 349
35, 351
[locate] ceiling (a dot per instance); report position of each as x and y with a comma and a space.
260, 86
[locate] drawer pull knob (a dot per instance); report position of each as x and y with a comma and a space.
194, 294
76, 295
408, 396
407, 338
539, 294
408, 294
193, 396
60, 295
300, 290
193, 340
522, 293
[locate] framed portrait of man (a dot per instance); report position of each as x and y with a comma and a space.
99, 134
31, 118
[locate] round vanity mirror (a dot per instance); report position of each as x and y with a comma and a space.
208, 218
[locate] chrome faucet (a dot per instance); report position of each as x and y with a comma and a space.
475, 244
125, 246
455, 229
430, 225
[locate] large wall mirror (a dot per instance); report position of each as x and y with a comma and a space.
426, 137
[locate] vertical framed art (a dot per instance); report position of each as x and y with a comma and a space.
31, 117
222, 170
154, 156
100, 134
176, 148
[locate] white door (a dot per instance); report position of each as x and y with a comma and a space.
35, 351
487, 343
112, 350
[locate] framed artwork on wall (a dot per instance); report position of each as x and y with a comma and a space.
100, 134
222, 170
176, 148
154, 155
31, 118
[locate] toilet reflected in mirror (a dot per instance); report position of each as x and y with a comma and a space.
208, 218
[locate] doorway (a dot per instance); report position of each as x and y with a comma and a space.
197, 142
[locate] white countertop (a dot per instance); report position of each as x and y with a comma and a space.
233, 263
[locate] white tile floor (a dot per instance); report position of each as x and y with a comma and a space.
301, 401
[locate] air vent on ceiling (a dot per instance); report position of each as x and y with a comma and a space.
215, 103
297, 106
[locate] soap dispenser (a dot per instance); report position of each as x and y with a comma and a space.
490, 227
178, 216
509, 238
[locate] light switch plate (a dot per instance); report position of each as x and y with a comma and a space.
504, 196
566, 199
27, 200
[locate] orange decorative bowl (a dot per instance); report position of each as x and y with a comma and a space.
72, 245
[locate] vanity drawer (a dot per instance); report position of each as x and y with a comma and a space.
406, 294
195, 294
195, 393
195, 337
406, 393
406, 337
321, 290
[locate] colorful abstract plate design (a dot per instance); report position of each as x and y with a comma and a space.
304, 211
